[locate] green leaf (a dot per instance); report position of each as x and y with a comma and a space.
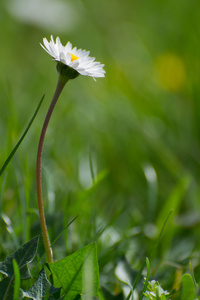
21, 139
41, 288
77, 273
13, 265
7, 290
188, 288
163, 297
23, 256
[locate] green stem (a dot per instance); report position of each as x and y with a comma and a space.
61, 83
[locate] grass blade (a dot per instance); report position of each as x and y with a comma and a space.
152, 250
17, 280
147, 279
64, 229
21, 139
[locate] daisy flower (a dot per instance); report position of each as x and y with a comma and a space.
71, 62
77, 59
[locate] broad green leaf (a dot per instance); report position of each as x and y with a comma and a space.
23, 256
21, 139
41, 288
77, 273
7, 290
188, 288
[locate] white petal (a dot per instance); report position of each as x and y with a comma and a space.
74, 64
62, 57
68, 47
68, 58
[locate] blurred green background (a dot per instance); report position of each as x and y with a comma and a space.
136, 130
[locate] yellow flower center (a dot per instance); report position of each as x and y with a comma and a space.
74, 57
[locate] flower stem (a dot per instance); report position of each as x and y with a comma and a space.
61, 83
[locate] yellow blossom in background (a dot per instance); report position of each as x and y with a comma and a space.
170, 71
